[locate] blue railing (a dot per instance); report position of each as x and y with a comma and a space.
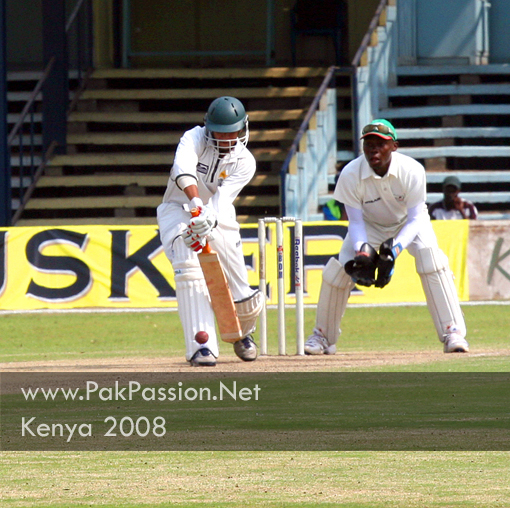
313, 154
374, 68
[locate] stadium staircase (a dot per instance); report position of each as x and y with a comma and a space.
455, 120
125, 127
20, 87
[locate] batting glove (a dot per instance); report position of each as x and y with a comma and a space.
388, 253
202, 225
362, 267
193, 242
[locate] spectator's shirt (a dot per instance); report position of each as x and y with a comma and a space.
438, 211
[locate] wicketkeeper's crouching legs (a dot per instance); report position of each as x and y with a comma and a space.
442, 299
335, 290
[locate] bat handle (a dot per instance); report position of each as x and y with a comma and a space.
195, 212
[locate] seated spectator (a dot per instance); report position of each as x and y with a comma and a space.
452, 206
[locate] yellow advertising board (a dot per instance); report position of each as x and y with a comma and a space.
323, 240
125, 266
85, 266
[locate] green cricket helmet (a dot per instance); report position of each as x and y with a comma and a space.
226, 114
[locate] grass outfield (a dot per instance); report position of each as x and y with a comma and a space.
51, 336
253, 479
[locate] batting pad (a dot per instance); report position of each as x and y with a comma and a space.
195, 310
248, 311
335, 290
440, 292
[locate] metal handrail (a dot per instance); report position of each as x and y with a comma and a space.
74, 14
28, 109
332, 71
365, 42
30, 101
304, 126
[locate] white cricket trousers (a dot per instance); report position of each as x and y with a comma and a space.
193, 301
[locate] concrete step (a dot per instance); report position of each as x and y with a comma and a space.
454, 132
451, 70
117, 202
467, 176
164, 138
146, 159
433, 90
456, 151
86, 221
211, 73
475, 197
432, 197
195, 118
192, 93
441, 111
128, 179
12, 118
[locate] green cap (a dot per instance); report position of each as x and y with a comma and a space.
381, 128
452, 180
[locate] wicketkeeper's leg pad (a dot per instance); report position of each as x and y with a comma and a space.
248, 310
335, 290
194, 307
442, 299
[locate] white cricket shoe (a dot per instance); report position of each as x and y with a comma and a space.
454, 342
317, 344
246, 349
203, 358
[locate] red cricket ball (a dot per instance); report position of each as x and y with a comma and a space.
201, 337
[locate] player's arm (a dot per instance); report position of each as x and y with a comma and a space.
362, 267
412, 226
184, 169
392, 247
357, 229
473, 212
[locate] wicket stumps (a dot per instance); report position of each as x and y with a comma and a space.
298, 282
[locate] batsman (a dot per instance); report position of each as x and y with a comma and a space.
211, 167
384, 194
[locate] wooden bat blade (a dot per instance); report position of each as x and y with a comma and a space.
221, 297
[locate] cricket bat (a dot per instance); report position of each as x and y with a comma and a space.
219, 293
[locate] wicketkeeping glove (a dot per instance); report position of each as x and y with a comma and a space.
386, 262
362, 267
202, 225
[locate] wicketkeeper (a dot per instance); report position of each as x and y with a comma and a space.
384, 194
211, 167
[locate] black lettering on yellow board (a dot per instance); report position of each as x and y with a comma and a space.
58, 264
123, 266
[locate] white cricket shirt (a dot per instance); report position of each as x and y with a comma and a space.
219, 180
385, 200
